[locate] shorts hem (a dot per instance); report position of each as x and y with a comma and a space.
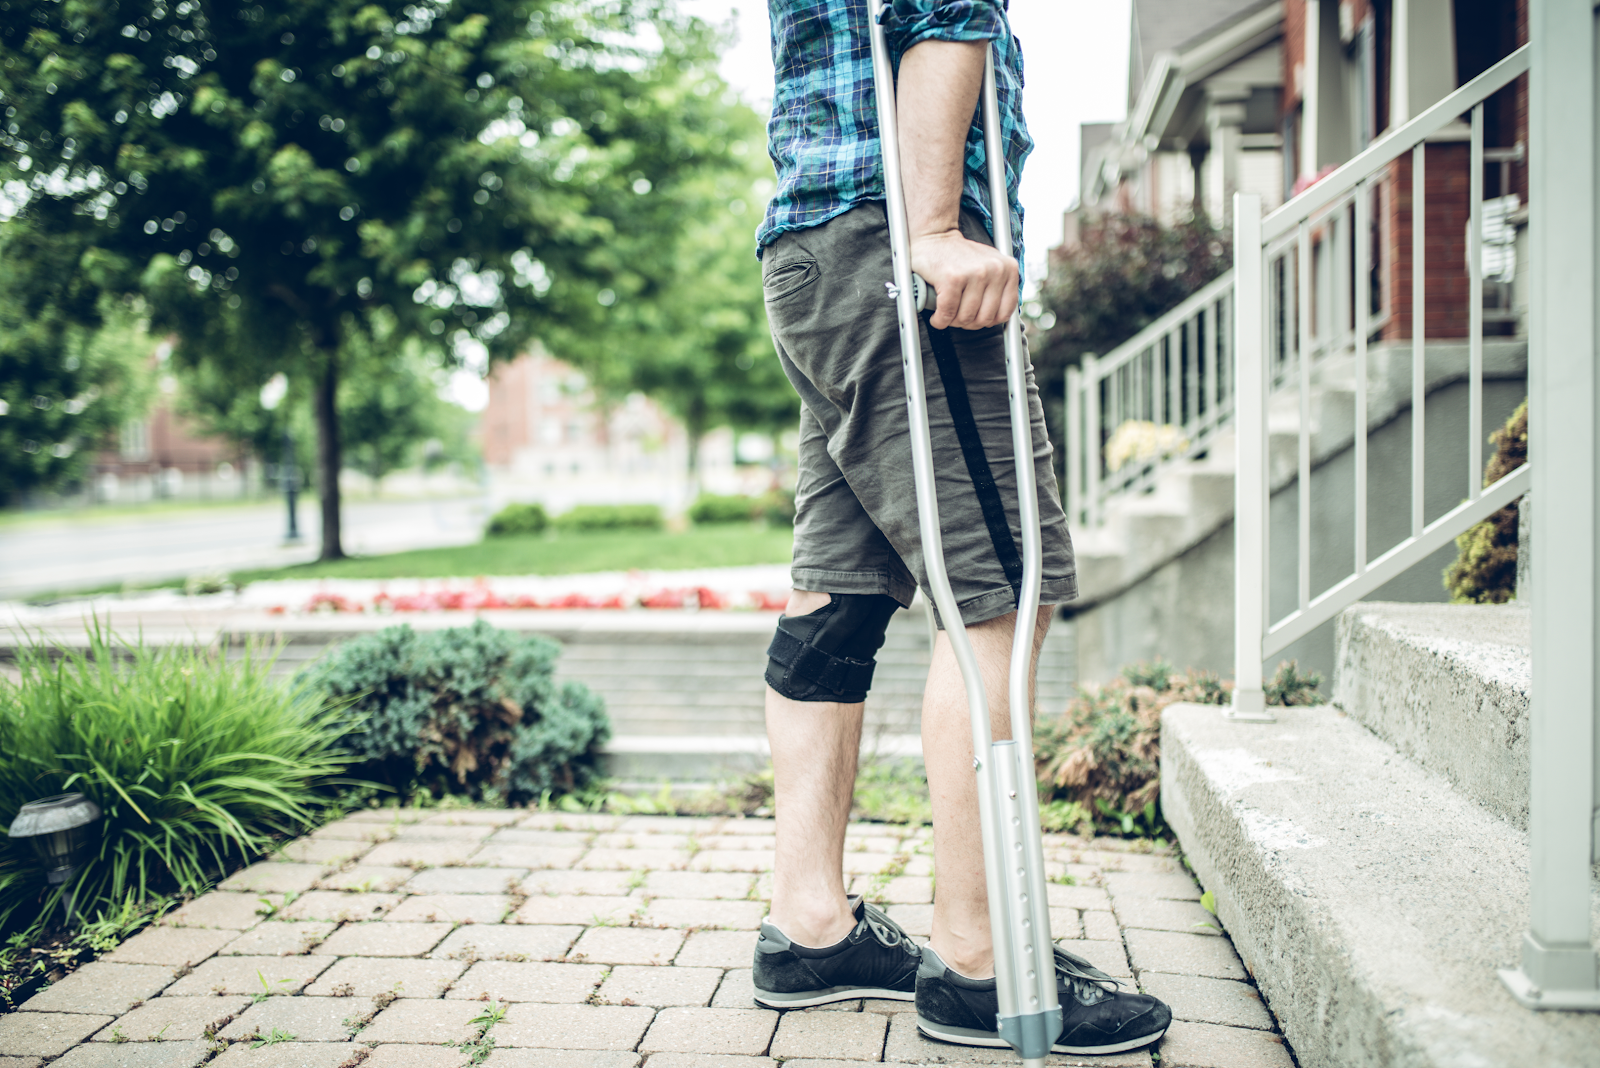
998, 602
823, 580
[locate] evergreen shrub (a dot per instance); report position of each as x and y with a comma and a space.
1485, 568
518, 519
592, 517
471, 711
722, 508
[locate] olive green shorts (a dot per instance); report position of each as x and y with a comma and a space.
856, 511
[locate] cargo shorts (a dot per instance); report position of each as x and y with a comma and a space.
856, 529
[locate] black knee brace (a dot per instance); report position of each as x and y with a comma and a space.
828, 654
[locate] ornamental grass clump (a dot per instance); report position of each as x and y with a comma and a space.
198, 763
468, 711
1101, 759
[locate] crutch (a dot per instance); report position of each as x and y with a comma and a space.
1008, 803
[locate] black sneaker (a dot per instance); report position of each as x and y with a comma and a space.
876, 960
1096, 1017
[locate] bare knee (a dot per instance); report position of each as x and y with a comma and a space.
804, 602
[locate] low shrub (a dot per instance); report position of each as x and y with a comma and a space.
1098, 763
1485, 568
515, 519
197, 763
471, 711
776, 507
1289, 686
722, 508
590, 517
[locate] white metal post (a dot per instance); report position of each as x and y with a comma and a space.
1073, 404
1559, 968
1091, 441
1250, 463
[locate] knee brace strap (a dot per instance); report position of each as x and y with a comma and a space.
827, 655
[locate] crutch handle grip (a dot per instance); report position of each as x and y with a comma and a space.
927, 299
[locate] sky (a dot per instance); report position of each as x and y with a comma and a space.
1076, 68
1075, 55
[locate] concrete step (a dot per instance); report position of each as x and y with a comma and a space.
1447, 685
1371, 900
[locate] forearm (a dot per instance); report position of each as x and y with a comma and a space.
937, 95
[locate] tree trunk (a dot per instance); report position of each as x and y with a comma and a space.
694, 431
329, 457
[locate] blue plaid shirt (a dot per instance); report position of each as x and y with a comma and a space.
823, 135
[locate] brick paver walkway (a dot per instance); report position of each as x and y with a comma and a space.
426, 940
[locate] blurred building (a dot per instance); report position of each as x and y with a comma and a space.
1267, 96
162, 454
547, 437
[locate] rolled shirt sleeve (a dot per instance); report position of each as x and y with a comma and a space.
915, 21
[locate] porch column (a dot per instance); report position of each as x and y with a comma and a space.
1424, 57
1225, 120
1559, 968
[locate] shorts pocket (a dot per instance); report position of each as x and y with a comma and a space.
789, 278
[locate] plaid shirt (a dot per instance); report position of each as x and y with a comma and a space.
823, 135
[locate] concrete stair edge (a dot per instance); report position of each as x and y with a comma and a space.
1371, 900
1448, 686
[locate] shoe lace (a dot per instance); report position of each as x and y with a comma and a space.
1087, 981
885, 930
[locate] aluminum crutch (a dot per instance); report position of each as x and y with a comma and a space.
1008, 803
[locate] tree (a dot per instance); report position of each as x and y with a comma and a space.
390, 414
698, 344
1125, 272
280, 182
64, 387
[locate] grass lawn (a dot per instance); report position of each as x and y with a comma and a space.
562, 554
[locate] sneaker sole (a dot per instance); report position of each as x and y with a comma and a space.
967, 1036
828, 996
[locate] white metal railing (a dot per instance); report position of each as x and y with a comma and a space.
1302, 277
1175, 373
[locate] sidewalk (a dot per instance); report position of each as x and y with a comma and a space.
421, 939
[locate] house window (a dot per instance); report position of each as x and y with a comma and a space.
1364, 54
135, 440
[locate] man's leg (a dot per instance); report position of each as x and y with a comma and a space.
815, 746
961, 934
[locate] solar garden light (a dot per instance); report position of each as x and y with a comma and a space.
58, 829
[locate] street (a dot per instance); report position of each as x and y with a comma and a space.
85, 552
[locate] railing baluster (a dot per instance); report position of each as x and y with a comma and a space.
1419, 364
1250, 472
1091, 441
1210, 388
1303, 486
1073, 418
1363, 309
1475, 312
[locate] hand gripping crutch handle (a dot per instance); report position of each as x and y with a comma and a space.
1008, 804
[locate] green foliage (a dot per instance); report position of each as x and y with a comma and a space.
697, 340
1289, 686
591, 517
64, 387
392, 417
198, 764
776, 507
472, 710
711, 508
293, 186
517, 518
1485, 568
1103, 755
892, 791
1125, 272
